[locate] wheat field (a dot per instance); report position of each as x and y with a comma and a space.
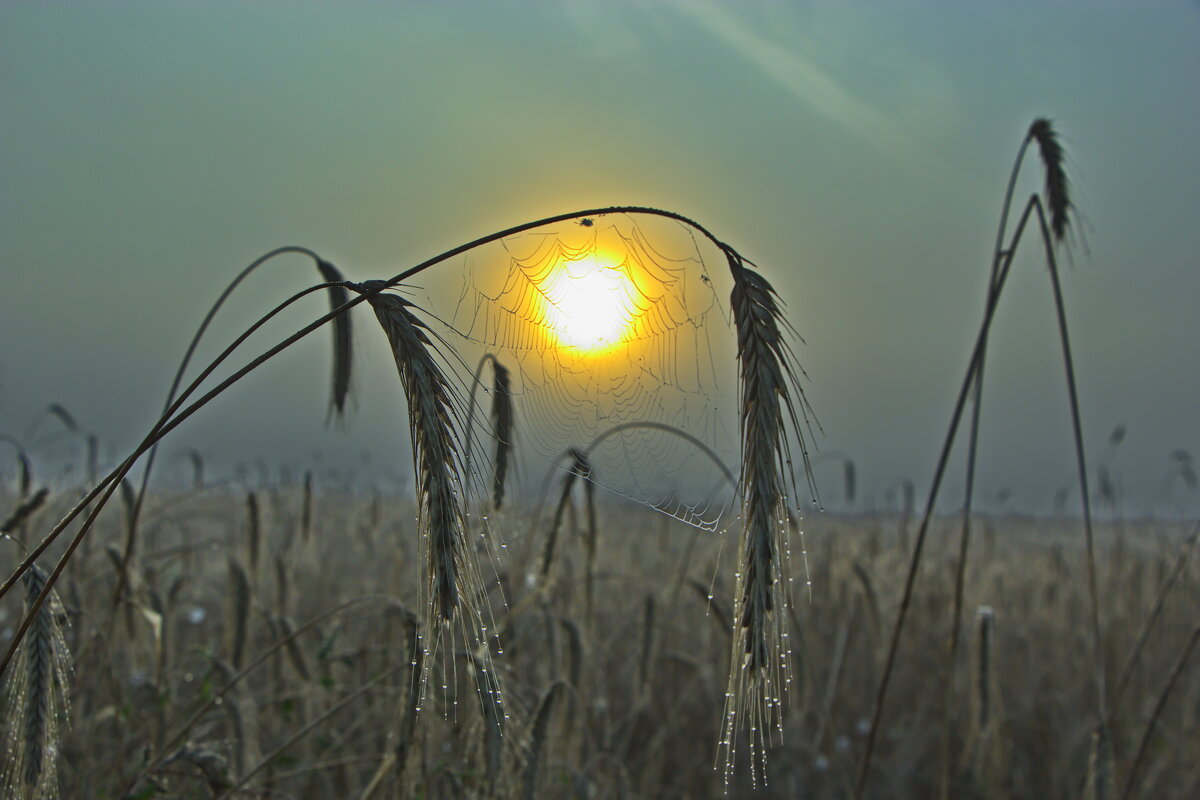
266, 650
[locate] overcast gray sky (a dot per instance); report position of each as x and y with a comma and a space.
856, 152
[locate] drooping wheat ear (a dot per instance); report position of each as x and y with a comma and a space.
25, 470
580, 468
38, 700
292, 647
983, 753
985, 619
24, 511
26, 482
306, 507
59, 412
649, 645
343, 339
197, 462
1057, 191
502, 428
502, 418
253, 534
979, 749
240, 612
93, 456
759, 668
433, 426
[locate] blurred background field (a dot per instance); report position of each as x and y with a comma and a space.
623, 699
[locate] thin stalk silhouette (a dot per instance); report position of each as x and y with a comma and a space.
342, 351
1032, 207
1144, 744
998, 256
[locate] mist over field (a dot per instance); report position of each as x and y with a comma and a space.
856, 154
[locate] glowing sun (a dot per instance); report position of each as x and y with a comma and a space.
590, 306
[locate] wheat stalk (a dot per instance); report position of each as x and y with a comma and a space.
1144, 743
1159, 601
938, 475
1056, 196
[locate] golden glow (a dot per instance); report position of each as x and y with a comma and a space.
589, 306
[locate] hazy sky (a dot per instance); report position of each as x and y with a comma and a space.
856, 152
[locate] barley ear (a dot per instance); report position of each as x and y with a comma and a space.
502, 428
343, 339
240, 612
433, 425
581, 467
1057, 189
759, 668
38, 705
24, 468
59, 412
24, 511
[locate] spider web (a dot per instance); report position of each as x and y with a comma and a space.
618, 346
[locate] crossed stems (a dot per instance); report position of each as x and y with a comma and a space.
973, 371
176, 413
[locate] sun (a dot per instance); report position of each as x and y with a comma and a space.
590, 306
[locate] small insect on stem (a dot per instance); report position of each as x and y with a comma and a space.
587, 222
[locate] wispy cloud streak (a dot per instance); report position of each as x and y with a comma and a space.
816, 88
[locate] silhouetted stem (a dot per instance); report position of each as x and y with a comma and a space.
135, 512
295, 737
1081, 463
110, 483
998, 251
658, 426
165, 426
938, 475
1159, 602
178, 737
1176, 671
